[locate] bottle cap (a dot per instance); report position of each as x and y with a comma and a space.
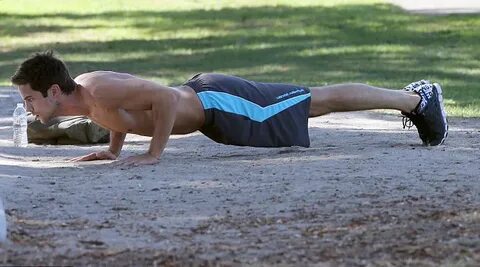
20, 105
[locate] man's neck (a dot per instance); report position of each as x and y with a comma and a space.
74, 104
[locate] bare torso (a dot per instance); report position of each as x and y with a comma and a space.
130, 116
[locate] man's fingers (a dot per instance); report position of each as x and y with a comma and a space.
118, 163
91, 156
75, 158
138, 160
125, 162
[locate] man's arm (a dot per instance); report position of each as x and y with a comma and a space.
164, 106
137, 94
116, 142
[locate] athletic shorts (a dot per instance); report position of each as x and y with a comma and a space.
247, 113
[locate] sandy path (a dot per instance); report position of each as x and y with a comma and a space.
366, 192
439, 6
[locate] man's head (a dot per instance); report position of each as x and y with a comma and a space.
41, 80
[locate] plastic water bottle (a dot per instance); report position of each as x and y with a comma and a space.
20, 126
3, 224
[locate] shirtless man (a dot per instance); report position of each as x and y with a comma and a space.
227, 109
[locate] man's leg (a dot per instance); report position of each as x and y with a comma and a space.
356, 96
421, 102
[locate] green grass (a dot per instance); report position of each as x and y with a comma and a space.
282, 41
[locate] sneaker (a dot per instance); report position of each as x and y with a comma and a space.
429, 116
416, 84
410, 119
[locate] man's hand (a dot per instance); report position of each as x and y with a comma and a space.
102, 155
143, 159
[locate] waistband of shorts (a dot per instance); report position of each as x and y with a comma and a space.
195, 83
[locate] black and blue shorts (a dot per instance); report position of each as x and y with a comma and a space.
247, 113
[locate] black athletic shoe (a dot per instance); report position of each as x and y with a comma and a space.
410, 119
416, 84
429, 116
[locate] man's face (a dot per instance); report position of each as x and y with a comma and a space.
42, 107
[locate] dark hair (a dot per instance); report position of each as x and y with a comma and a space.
41, 71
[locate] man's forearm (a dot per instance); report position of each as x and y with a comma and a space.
163, 118
160, 138
157, 145
116, 142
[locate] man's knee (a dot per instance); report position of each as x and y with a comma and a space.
321, 103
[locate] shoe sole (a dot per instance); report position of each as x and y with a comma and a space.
438, 88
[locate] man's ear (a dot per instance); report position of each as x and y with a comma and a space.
54, 91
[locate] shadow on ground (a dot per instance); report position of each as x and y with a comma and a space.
360, 194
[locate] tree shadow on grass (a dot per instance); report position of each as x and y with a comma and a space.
378, 44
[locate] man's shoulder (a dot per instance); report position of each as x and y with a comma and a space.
101, 75
101, 79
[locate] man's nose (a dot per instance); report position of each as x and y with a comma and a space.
28, 107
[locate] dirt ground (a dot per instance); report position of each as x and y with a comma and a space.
366, 193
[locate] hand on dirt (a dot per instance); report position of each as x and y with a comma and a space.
143, 159
102, 155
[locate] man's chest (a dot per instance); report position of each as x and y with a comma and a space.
125, 121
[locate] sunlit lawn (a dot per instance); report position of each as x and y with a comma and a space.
284, 41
